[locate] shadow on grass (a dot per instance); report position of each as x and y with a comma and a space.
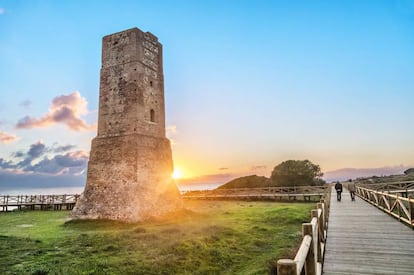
102, 224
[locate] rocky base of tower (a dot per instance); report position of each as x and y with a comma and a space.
129, 179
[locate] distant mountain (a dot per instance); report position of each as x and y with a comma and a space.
353, 173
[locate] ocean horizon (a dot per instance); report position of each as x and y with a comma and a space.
62, 190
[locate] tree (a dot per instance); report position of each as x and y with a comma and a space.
297, 173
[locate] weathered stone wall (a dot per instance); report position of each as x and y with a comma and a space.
132, 84
130, 166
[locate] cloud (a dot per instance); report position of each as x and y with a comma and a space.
71, 163
37, 159
64, 148
2, 11
353, 173
64, 109
171, 129
6, 164
207, 179
25, 104
36, 150
18, 154
257, 167
15, 181
223, 168
7, 138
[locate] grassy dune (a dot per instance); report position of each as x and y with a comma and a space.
209, 237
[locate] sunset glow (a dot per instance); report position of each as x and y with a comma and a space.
247, 85
177, 174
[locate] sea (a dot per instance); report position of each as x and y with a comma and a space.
70, 190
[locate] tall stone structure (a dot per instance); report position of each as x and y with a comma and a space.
130, 165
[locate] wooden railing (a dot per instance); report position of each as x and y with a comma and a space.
291, 192
309, 258
404, 188
43, 201
397, 206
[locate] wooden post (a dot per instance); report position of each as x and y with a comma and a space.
318, 236
399, 208
321, 221
314, 213
310, 263
411, 211
328, 205
326, 213
286, 267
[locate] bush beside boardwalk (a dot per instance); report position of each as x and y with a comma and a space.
225, 237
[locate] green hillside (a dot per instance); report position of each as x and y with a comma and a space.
247, 182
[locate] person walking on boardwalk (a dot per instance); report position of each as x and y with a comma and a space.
352, 188
338, 188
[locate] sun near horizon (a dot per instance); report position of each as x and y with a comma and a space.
177, 174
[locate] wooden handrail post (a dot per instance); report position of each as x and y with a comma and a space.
310, 263
411, 209
286, 267
318, 236
321, 221
314, 213
324, 212
399, 208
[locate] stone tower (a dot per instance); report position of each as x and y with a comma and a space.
130, 165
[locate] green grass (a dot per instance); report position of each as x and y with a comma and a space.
209, 237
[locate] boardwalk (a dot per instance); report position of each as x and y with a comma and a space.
306, 193
364, 240
33, 202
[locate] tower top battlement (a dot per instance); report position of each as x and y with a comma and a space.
132, 45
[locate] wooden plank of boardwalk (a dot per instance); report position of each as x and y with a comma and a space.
364, 240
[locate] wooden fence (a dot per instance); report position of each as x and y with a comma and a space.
262, 193
44, 202
399, 207
309, 258
403, 188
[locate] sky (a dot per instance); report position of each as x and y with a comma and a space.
248, 84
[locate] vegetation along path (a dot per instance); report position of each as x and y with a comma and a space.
364, 240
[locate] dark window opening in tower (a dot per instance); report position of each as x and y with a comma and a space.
151, 83
152, 115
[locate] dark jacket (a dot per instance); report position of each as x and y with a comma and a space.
338, 187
